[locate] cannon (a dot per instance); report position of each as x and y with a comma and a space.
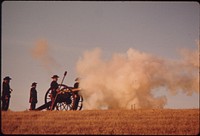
65, 100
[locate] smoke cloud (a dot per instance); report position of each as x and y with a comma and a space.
41, 52
130, 78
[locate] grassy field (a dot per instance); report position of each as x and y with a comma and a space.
181, 122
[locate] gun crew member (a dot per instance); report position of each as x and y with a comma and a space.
33, 96
54, 88
75, 94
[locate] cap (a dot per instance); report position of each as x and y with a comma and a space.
55, 76
77, 79
33, 84
7, 78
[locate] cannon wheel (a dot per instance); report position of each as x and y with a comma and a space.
80, 103
63, 105
59, 106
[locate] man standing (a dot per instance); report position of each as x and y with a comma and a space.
75, 94
33, 96
6, 93
54, 88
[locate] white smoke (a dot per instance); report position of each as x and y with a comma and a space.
41, 52
129, 78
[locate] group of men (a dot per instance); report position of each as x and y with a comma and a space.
54, 86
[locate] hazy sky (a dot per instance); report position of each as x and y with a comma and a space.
70, 28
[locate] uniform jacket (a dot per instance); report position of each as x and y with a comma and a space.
54, 87
33, 95
76, 85
6, 90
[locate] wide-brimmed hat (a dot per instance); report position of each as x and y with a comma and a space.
34, 84
55, 76
7, 78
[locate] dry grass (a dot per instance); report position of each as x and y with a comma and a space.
181, 122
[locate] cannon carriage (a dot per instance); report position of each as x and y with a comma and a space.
66, 99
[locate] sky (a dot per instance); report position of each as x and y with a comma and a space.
44, 38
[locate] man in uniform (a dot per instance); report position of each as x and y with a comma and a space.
33, 96
54, 88
6, 93
75, 94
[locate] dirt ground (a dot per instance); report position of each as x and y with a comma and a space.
111, 122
